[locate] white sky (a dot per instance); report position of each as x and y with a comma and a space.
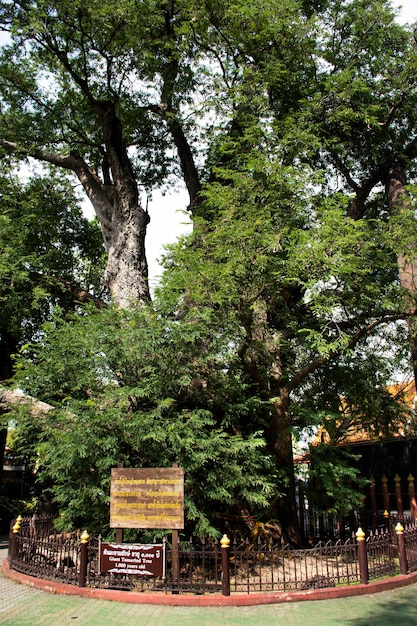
168, 222
408, 12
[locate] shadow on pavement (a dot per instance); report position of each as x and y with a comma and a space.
401, 612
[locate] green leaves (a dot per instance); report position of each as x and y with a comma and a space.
334, 481
44, 241
285, 296
145, 396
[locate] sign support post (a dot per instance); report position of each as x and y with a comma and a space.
148, 498
175, 555
119, 531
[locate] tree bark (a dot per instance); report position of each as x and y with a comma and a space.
122, 219
188, 167
279, 442
278, 433
398, 201
124, 234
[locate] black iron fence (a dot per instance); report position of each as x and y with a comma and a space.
37, 549
386, 500
316, 526
40, 551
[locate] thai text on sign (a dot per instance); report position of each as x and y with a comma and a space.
147, 498
133, 558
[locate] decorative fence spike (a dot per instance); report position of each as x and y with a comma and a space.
249, 567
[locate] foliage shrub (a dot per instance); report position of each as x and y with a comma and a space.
131, 387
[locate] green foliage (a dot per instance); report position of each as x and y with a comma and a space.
45, 241
334, 482
352, 395
282, 309
309, 298
64, 57
149, 393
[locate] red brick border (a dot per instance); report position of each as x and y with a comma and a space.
211, 600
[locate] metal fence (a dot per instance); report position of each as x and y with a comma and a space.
410, 537
40, 551
199, 571
283, 568
204, 566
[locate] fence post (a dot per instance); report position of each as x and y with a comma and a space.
302, 509
399, 497
175, 538
399, 530
374, 504
363, 560
225, 544
385, 493
82, 574
412, 497
13, 540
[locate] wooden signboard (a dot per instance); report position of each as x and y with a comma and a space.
133, 558
147, 498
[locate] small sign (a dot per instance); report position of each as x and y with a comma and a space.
133, 558
147, 498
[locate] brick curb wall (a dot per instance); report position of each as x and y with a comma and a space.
210, 600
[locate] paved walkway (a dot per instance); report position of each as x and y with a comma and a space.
24, 606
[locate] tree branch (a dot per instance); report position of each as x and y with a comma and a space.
17, 397
75, 163
314, 365
82, 295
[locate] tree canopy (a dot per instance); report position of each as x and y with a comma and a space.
49, 254
293, 127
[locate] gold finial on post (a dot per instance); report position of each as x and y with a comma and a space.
225, 541
82, 574
402, 555
17, 524
360, 535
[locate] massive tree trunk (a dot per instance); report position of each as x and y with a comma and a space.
123, 221
279, 441
398, 201
261, 357
116, 202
